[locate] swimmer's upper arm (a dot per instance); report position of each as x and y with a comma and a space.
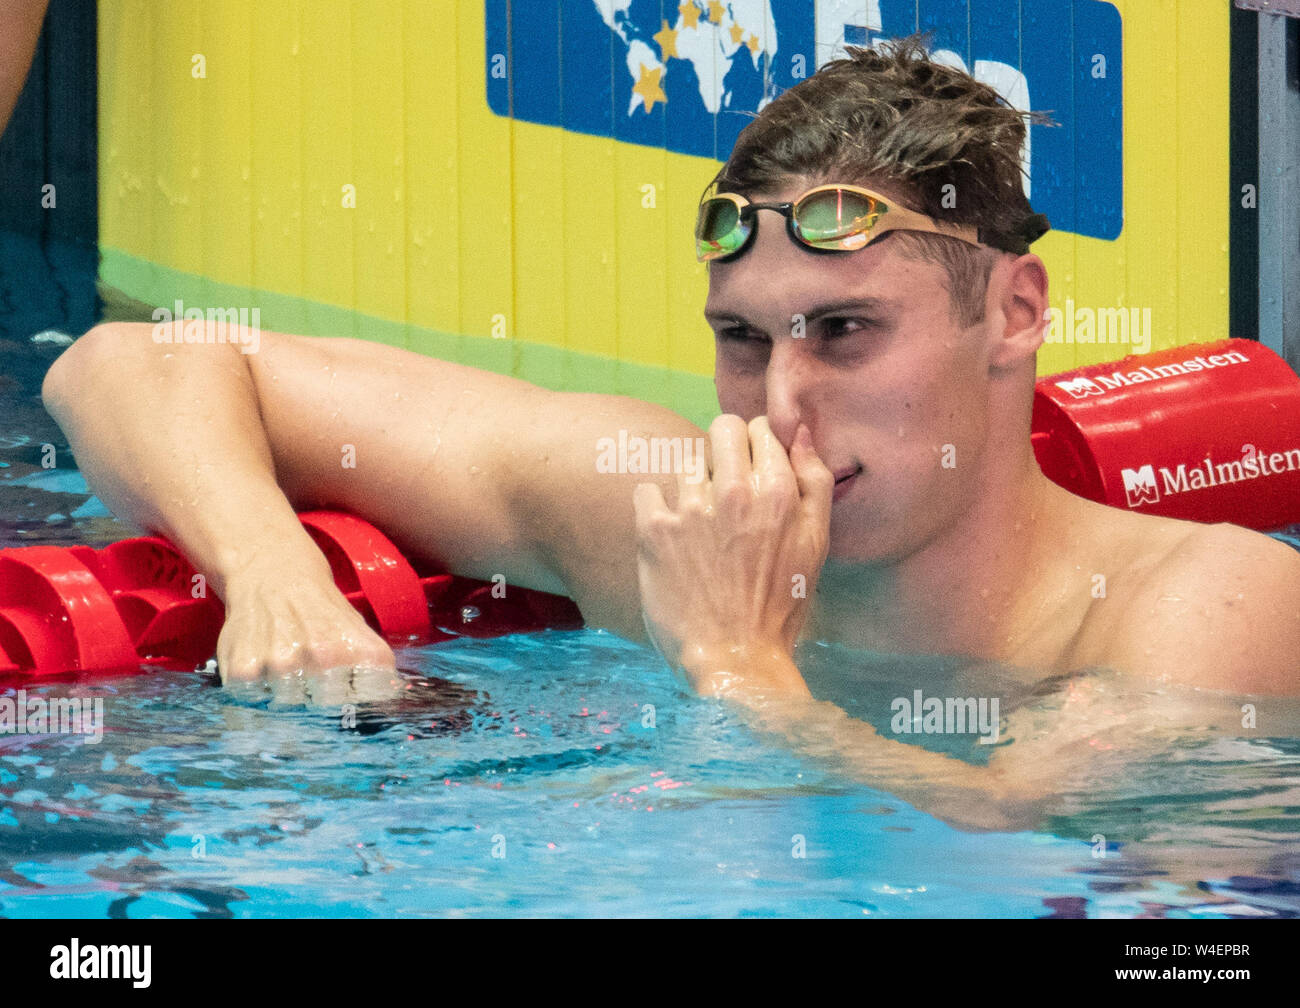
1222, 611
580, 516
485, 473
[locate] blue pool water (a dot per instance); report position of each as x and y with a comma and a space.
523, 777
567, 774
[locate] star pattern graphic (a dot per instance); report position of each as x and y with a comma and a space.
649, 89
650, 83
667, 39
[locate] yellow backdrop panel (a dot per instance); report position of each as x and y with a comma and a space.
335, 163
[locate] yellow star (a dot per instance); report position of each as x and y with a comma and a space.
690, 15
648, 88
737, 33
716, 10
753, 43
667, 39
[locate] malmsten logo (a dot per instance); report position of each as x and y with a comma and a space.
1081, 387
1141, 486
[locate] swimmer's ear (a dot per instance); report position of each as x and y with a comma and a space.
1015, 309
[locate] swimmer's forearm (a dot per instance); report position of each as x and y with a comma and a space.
171, 439
962, 795
769, 684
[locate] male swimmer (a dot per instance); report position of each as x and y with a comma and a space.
866, 334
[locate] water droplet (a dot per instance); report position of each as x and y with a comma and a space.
469, 613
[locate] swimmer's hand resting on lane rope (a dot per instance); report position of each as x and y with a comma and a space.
720, 574
293, 636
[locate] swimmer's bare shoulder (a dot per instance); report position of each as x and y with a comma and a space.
1210, 606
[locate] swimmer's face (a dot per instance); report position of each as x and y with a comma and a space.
890, 387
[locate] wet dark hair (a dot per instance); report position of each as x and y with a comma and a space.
892, 118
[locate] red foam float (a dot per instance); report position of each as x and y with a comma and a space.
76, 609
1207, 432
57, 615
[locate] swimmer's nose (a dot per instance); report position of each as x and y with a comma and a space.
786, 386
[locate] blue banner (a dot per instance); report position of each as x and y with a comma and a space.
687, 75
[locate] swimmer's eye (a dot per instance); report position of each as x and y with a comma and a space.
835, 327
830, 328
741, 335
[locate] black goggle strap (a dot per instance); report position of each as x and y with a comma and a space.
1017, 242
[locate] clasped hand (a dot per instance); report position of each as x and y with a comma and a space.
727, 575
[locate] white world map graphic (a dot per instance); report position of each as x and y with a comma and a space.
709, 34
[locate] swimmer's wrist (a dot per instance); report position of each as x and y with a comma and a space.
742, 670
252, 566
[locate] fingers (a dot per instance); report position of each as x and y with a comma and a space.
732, 466
771, 462
342, 684
330, 687
715, 571
648, 500
651, 512
374, 682
750, 457
296, 654
816, 482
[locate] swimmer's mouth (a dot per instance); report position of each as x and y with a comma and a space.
844, 481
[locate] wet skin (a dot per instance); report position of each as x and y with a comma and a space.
982, 557
945, 538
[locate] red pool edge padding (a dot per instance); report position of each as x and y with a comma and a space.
80, 610
1206, 432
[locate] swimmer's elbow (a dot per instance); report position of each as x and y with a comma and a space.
91, 362
109, 358
68, 371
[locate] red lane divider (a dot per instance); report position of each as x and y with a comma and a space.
76, 609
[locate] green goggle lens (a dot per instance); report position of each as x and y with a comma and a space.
722, 230
836, 218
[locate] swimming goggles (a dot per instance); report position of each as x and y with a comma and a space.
836, 218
